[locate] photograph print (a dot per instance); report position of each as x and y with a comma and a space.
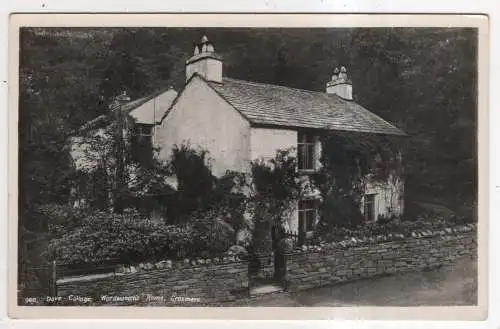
227, 167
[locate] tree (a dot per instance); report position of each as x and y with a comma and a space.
425, 81
105, 163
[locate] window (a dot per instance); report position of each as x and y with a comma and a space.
142, 143
305, 145
307, 215
143, 131
369, 207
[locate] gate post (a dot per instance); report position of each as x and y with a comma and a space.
53, 279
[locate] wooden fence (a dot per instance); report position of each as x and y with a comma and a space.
41, 280
38, 280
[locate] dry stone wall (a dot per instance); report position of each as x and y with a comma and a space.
315, 266
211, 281
177, 285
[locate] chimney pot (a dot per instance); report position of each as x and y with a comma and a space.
205, 62
123, 97
340, 85
119, 100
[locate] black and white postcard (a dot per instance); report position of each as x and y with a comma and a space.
304, 165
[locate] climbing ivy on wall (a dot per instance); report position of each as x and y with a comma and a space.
275, 188
349, 161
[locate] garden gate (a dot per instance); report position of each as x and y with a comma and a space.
279, 253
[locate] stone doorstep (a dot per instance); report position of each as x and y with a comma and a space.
265, 289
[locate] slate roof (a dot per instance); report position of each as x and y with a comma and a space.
151, 109
277, 105
141, 109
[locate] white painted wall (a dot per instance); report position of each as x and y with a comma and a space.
153, 110
203, 119
264, 142
389, 196
209, 68
293, 221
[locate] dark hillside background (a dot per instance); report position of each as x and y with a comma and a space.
421, 79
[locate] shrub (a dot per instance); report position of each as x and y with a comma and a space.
227, 200
200, 191
340, 210
59, 218
386, 219
375, 229
349, 161
104, 236
129, 237
211, 234
195, 179
276, 181
275, 187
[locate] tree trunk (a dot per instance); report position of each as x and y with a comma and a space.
120, 162
263, 233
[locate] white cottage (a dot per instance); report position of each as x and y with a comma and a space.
238, 121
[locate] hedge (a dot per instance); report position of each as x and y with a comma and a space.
130, 238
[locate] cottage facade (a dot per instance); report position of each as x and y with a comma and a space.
239, 121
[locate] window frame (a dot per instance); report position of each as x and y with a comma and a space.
312, 209
142, 136
139, 130
370, 200
306, 151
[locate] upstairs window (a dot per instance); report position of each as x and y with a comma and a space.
142, 143
305, 146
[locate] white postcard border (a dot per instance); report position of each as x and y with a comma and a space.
254, 20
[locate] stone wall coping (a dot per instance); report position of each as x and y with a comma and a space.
391, 237
81, 278
148, 267
188, 263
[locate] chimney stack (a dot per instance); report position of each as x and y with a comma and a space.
205, 61
119, 100
340, 84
